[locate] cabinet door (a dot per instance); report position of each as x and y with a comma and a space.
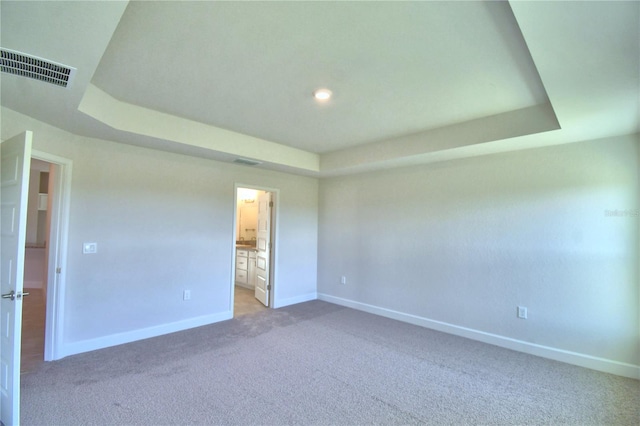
241, 276
241, 263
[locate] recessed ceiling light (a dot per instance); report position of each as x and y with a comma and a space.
322, 94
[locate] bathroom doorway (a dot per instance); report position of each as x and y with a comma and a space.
254, 249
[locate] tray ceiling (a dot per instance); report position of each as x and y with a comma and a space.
412, 81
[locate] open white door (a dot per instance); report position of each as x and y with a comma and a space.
14, 172
263, 246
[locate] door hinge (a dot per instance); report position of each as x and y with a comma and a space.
270, 203
268, 286
58, 270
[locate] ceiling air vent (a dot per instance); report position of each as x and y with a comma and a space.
17, 63
246, 162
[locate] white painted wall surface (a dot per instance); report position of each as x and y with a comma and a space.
459, 245
163, 223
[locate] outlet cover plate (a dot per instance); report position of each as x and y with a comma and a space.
522, 312
89, 248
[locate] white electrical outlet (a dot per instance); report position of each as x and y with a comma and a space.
343, 280
186, 295
522, 312
89, 248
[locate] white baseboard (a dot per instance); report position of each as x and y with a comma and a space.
145, 333
243, 285
582, 360
281, 303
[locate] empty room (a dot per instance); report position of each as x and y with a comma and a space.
320, 212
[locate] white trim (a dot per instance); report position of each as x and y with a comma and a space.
58, 236
143, 333
569, 357
243, 285
297, 299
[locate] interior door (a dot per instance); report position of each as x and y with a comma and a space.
14, 172
263, 246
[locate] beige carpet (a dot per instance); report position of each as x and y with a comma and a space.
318, 363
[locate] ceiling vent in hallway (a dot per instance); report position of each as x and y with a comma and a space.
246, 162
18, 63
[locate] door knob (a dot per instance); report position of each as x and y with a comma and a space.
12, 295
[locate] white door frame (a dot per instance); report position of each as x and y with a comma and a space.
274, 239
57, 258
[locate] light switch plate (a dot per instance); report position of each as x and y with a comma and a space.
89, 248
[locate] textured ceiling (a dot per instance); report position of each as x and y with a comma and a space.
414, 82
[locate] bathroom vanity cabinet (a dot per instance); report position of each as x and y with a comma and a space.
246, 267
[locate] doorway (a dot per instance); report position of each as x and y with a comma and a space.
35, 265
254, 249
47, 228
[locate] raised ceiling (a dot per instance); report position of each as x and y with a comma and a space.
394, 68
413, 82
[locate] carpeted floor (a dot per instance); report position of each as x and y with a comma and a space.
318, 363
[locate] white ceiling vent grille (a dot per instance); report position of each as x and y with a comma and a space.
246, 162
17, 63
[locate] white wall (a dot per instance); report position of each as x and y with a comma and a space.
163, 223
457, 246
